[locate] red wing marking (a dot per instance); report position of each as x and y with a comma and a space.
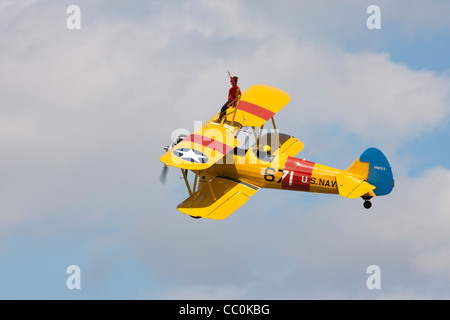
209, 143
255, 110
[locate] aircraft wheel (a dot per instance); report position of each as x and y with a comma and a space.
367, 204
195, 217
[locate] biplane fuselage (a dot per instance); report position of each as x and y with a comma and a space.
228, 169
278, 171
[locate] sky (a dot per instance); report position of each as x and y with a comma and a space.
85, 114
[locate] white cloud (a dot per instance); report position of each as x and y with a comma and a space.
436, 262
280, 246
11, 12
362, 93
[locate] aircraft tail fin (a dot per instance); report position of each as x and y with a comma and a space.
373, 167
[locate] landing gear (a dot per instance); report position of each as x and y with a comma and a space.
367, 204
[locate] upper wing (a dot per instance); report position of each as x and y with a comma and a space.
258, 104
212, 141
218, 198
202, 148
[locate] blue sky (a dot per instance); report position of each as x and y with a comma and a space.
86, 112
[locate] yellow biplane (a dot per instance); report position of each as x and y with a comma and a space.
233, 159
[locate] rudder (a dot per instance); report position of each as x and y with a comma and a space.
379, 171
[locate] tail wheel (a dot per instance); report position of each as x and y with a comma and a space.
367, 204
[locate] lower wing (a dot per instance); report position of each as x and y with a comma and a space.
218, 198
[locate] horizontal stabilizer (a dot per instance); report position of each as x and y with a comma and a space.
352, 188
218, 198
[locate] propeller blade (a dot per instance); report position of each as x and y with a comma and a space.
163, 176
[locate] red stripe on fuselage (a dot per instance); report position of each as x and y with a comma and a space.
298, 176
209, 143
256, 110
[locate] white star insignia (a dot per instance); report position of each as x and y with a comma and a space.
191, 155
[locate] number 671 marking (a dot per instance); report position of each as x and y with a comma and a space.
269, 175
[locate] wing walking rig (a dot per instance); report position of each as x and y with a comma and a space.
231, 162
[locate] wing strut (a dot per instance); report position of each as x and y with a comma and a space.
276, 131
196, 179
212, 191
184, 171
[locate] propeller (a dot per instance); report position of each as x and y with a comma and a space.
163, 176
177, 136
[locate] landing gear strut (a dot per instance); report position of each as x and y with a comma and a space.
367, 204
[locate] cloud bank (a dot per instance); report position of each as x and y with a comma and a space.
86, 114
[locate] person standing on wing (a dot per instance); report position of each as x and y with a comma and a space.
233, 96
